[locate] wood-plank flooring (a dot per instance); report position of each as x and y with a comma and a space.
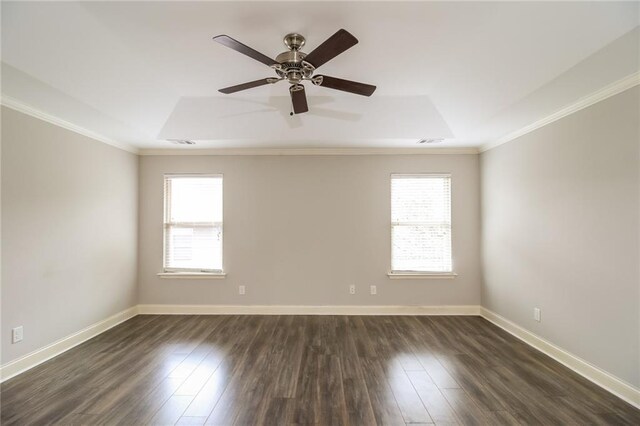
306, 370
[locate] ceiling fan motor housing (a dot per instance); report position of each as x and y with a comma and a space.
290, 63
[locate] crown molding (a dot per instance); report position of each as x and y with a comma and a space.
598, 96
310, 151
16, 105
582, 103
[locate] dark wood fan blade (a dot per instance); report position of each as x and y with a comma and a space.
244, 49
332, 47
298, 99
345, 85
245, 86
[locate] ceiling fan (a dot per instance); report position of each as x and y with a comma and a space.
296, 66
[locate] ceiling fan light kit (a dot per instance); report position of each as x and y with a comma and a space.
296, 66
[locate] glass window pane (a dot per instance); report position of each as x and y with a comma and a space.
420, 199
195, 199
421, 223
193, 222
194, 248
421, 248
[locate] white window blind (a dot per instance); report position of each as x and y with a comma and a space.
421, 223
193, 223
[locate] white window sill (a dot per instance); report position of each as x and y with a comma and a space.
193, 275
422, 275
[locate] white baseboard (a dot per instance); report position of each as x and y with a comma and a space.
605, 380
598, 376
306, 310
30, 360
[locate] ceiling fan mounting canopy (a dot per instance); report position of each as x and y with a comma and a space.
294, 41
295, 66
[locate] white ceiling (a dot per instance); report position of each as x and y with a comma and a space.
141, 72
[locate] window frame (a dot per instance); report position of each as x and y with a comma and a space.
191, 272
397, 273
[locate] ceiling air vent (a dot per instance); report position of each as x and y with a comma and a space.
181, 141
435, 140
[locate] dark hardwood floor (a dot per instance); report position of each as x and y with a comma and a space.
326, 370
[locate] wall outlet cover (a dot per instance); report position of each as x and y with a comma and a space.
374, 289
17, 334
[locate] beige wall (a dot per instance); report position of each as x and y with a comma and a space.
560, 221
69, 232
298, 230
560, 209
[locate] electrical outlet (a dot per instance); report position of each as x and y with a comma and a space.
352, 289
17, 334
241, 289
374, 289
536, 314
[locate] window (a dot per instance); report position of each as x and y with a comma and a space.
193, 223
421, 223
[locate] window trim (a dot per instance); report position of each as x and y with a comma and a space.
404, 275
192, 273
418, 274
